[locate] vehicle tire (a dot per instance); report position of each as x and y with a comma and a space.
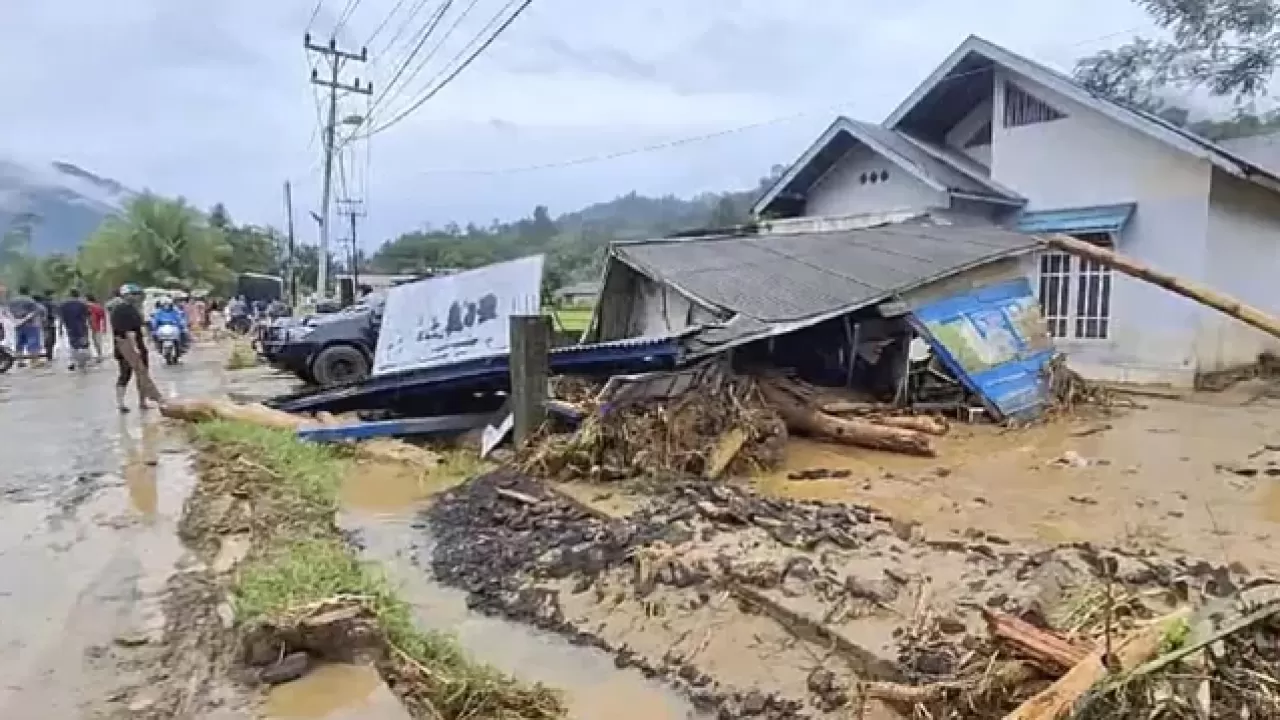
338, 365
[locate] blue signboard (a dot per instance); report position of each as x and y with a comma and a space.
995, 342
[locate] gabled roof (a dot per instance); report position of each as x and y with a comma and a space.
968, 58
928, 164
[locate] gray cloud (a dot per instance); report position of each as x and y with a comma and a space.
211, 100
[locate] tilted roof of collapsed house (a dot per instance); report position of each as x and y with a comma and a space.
950, 92
774, 283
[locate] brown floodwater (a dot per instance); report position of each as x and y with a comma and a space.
334, 692
397, 488
1147, 478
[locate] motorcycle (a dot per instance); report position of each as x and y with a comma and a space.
240, 324
169, 338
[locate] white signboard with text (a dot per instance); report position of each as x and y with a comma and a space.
457, 317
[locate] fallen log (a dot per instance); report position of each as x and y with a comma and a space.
1051, 651
849, 407
1057, 700
927, 424
1223, 303
804, 418
203, 409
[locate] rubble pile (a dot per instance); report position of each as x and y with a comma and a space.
1068, 391
964, 627
704, 432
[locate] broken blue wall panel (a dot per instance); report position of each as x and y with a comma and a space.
994, 341
1096, 219
394, 428
489, 374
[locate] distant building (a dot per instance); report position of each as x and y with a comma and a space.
583, 293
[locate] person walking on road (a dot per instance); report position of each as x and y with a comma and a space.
74, 313
26, 325
49, 329
97, 324
131, 347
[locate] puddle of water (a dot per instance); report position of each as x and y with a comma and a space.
327, 692
593, 687
394, 488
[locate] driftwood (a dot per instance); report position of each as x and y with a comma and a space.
199, 410
1047, 649
804, 418
927, 424
1235, 308
849, 407
1056, 701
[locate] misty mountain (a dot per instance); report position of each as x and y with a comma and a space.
62, 203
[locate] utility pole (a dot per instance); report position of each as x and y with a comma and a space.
291, 273
353, 209
336, 59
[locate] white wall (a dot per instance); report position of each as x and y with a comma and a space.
1244, 262
839, 191
1087, 159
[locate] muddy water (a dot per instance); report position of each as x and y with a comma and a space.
594, 688
88, 506
1144, 479
335, 692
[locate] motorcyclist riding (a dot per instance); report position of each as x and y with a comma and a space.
168, 314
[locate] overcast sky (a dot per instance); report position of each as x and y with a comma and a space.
210, 100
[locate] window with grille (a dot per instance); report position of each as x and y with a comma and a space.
1023, 108
1075, 294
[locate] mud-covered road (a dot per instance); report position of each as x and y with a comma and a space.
88, 503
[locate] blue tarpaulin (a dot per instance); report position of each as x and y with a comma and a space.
1096, 219
993, 340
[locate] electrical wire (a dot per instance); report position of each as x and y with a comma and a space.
315, 12
432, 53
345, 16
655, 147
383, 24
408, 21
458, 70
427, 31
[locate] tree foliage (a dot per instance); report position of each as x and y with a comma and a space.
1229, 47
157, 242
574, 243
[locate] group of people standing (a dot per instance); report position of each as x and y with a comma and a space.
36, 319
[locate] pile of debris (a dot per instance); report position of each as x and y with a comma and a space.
722, 425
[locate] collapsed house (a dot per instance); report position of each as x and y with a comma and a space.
929, 313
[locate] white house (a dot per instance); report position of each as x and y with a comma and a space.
993, 134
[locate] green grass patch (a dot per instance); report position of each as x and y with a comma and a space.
305, 561
310, 471
573, 318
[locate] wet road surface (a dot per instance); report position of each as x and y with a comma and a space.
89, 499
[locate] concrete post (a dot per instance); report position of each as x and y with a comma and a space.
530, 342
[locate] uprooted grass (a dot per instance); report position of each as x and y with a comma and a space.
241, 357
300, 559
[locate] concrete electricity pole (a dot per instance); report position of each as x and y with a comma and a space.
353, 209
291, 275
336, 58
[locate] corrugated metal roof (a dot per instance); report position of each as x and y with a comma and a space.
783, 278
1096, 219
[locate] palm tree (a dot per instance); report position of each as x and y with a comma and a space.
156, 242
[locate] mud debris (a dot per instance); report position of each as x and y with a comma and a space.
869, 601
677, 437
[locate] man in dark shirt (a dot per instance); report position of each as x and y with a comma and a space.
74, 314
126, 331
50, 330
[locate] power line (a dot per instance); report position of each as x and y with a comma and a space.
604, 157
413, 13
432, 52
432, 23
345, 16
449, 78
383, 24
314, 13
